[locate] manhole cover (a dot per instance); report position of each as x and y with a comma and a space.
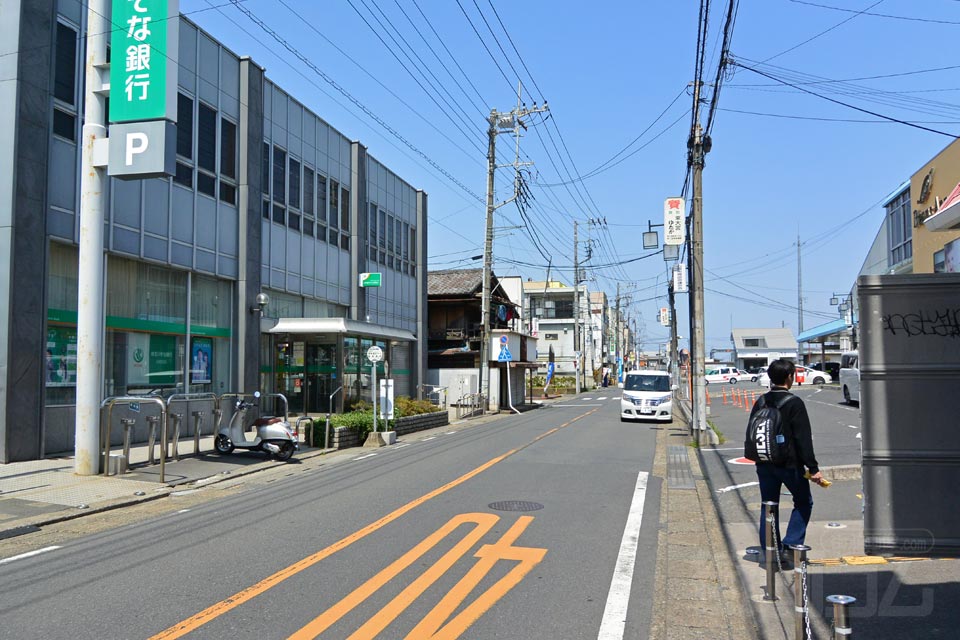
515, 505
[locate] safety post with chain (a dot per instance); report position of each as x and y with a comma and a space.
841, 622
771, 550
800, 603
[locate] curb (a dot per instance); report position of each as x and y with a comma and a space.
842, 472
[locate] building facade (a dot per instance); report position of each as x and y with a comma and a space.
267, 198
930, 187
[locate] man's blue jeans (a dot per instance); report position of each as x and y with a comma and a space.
771, 478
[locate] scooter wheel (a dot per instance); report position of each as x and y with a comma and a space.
286, 451
223, 444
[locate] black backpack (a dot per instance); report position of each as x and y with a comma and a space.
767, 440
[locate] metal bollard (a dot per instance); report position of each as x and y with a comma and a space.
197, 424
800, 608
771, 551
152, 422
177, 420
841, 621
326, 434
128, 424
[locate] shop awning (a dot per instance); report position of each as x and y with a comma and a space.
835, 327
341, 326
948, 217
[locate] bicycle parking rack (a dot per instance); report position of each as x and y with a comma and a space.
308, 420
197, 417
109, 403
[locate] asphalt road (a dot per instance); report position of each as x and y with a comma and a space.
400, 541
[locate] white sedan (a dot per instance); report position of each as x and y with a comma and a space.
728, 375
806, 375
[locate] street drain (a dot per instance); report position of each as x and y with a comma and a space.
515, 505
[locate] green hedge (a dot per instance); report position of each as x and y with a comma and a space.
361, 420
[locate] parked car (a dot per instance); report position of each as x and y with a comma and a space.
833, 368
762, 378
747, 375
730, 375
646, 394
806, 375
850, 377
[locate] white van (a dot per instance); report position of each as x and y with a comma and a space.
646, 394
850, 376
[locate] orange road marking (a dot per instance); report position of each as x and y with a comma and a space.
483, 521
429, 627
216, 610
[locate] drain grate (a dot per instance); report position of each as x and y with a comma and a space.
515, 505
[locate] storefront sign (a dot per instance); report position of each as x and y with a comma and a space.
143, 72
371, 279
163, 360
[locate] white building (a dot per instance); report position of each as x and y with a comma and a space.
760, 347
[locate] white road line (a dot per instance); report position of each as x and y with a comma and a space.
853, 426
29, 554
401, 446
589, 398
580, 405
429, 438
615, 612
734, 487
369, 455
449, 433
600, 398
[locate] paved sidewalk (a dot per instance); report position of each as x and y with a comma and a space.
698, 596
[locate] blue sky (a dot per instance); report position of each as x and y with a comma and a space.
608, 70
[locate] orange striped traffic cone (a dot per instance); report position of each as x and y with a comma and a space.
724, 396
708, 395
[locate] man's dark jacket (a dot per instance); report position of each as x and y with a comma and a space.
796, 424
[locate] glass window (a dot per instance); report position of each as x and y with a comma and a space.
294, 183
344, 209
308, 227
390, 238
265, 209
321, 199
413, 244
184, 126
372, 225
405, 243
293, 220
65, 124
265, 170
228, 193
308, 183
206, 184
279, 214
228, 149
207, 138
939, 262
899, 229
65, 75
184, 175
383, 230
279, 174
398, 226
334, 203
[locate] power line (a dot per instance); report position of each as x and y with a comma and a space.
876, 15
824, 32
823, 119
845, 104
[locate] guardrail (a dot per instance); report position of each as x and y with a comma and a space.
109, 403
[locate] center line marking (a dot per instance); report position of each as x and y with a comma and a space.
369, 455
614, 619
29, 554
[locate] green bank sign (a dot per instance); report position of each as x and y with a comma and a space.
371, 279
143, 60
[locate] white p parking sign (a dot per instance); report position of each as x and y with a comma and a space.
142, 149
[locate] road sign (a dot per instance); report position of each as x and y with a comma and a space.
374, 354
370, 279
505, 355
503, 339
386, 399
674, 229
680, 278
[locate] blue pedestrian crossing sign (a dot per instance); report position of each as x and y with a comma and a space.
504, 355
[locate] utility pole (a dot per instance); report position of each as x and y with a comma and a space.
93, 182
698, 148
616, 360
576, 307
799, 293
674, 356
500, 122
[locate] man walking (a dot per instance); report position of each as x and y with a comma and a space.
795, 426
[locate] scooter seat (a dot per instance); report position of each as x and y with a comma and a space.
264, 421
